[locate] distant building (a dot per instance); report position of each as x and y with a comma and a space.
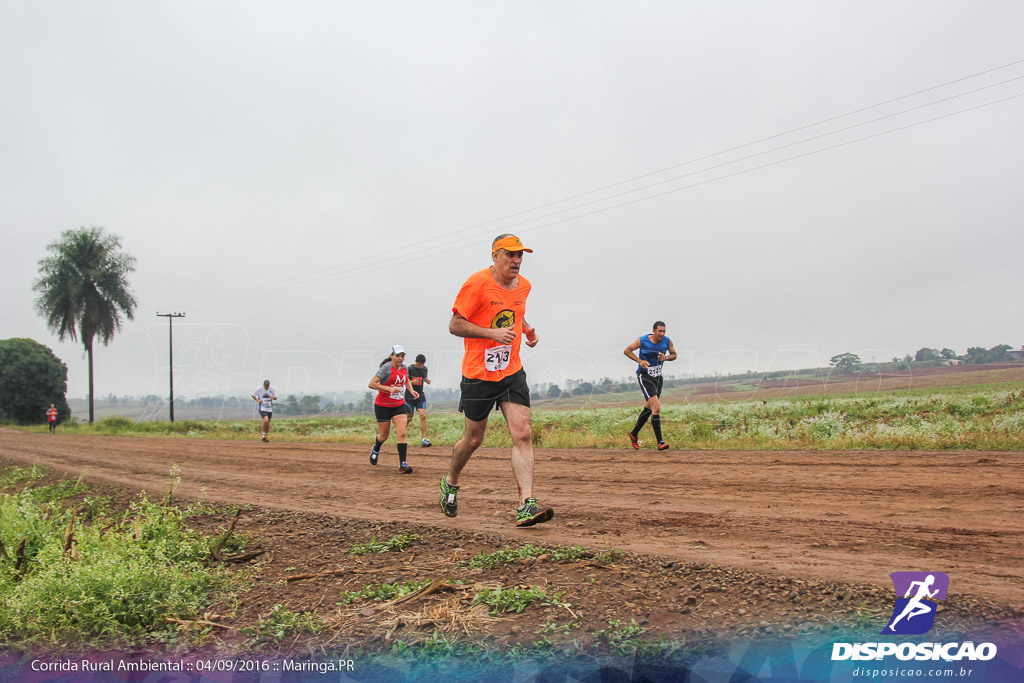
1015, 354
952, 361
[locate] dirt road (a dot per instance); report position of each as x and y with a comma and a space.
849, 516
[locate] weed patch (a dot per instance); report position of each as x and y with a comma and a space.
14, 475
515, 600
279, 624
80, 577
394, 544
382, 592
507, 556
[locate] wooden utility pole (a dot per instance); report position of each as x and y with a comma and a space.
170, 346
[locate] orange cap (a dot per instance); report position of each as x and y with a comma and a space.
510, 243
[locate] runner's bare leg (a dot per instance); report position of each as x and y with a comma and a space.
465, 447
518, 419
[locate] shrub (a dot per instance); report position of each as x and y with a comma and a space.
116, 584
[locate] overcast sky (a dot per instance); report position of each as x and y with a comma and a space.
311, 182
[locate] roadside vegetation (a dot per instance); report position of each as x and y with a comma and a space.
981, 418
76, 573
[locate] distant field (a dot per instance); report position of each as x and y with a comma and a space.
969, 409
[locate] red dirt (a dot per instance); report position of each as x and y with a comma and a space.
843, 516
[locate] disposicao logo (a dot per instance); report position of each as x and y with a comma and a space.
914, 613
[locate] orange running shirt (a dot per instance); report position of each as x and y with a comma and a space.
483, 302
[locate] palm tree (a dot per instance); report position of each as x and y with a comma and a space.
83, 289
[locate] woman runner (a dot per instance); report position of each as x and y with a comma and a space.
391, 382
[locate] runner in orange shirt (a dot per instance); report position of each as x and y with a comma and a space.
489, 314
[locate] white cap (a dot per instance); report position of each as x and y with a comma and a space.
397, 349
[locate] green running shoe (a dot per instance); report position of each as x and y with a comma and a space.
449, 504
531, 513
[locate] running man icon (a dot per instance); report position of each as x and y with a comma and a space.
926, 587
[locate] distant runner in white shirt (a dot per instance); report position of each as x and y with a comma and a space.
265, 396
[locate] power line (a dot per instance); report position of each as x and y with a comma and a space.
371, 268
346, 269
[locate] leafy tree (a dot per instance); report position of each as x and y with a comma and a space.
997, 354
926, 354
367, 402
32, 378
947, 354
847, 362
83, 289
554, 391
584, 389
309, 404
977, 354
291, 405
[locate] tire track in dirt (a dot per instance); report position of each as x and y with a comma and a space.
852, 516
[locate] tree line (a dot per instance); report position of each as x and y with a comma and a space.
851, 362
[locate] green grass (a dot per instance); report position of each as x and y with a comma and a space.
515, 600
382, 592
979, 417
507, 556
22, 475
77, 577
394, 544
627, 640
279, 624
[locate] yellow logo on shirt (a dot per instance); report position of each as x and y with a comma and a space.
505, 318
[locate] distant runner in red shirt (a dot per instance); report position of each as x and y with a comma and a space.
489, 315
51, 417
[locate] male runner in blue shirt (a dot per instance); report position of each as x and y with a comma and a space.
654, 349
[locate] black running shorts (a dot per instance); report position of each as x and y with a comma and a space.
266, 414
480, 397
651, 386
385, 413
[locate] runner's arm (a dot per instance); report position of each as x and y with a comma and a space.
628, 352
672, 355
377, 386
460, 327
530, 333
408, 387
